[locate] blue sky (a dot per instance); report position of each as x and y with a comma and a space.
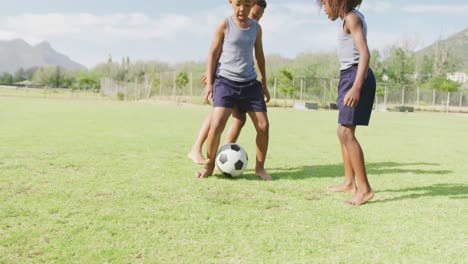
180, 30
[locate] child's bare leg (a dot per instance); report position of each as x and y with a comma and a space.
238, 121
349, 184
219, 118
195, 153
364, 192
261, 123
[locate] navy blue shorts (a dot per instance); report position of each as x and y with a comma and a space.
247, 96
359, 115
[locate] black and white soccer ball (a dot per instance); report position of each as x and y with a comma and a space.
231, 160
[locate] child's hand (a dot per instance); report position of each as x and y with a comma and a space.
208, 94
266, 93
351, 98
203, 78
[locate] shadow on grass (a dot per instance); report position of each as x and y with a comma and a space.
336, 170
453, 191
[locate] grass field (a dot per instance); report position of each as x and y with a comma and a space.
93, 181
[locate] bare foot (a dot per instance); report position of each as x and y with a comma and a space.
263, 174
197, 157
203, 173
360, 198
344, 187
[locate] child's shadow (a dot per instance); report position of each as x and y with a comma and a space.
336, 170
453, 191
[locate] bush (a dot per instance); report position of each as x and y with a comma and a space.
120, 96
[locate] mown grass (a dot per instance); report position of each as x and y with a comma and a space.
101, 181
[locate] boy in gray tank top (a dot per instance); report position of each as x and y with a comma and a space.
237, 36
238, 119
356, 92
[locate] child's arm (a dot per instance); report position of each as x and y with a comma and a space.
260, 60
213, 56
203, 77
354, 25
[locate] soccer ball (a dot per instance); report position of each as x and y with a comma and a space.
231, 160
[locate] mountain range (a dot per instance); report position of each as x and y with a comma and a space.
457, 45
17, 53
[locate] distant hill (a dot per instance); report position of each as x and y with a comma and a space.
17, 53
457, 43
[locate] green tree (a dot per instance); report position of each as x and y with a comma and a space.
156, 83
285, 84
376, 65
444, 85
52, 76
400, 66
29, 73
6, 79
20, 75
58, 77
181, 81
445, 60
426, 69
45, 76
87, 80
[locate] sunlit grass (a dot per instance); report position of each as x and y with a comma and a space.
102, 181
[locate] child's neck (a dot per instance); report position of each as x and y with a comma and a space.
242, 24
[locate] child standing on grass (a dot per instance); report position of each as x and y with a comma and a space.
356, 92
236, 82
238, 120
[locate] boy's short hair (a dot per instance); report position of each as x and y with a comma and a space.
261, 3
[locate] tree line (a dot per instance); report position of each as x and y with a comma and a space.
394, 66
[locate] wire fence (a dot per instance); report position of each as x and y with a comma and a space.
308, 93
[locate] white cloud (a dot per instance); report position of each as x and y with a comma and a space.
377, 7
438, 9
86, 26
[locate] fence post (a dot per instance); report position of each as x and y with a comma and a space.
403, 95
302, 87
174, 89
160, 84
385, 95
324, 90
433, 97
191, 84
274, 90
448, 101
461, 101
138, 87
149, 85
417, 96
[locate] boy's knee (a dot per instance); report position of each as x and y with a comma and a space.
218, 126
345, 134
263, 126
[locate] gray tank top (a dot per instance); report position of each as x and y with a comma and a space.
347, 51
237, 57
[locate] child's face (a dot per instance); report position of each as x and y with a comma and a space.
256, 12
328, 10
241, 8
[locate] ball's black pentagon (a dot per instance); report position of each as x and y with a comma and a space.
223, 148
235, 147
223, 158
238, 165
227, 174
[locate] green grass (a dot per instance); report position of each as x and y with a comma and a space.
102, 181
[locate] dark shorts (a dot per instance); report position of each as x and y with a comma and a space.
247, 96
359, 115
